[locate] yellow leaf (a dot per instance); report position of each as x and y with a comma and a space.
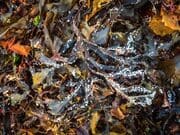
96, 6
171, 19
39, 77
39, 90
158, 27
94, 120
167, 22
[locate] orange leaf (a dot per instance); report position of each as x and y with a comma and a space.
20, 49
7, 44
17, 48
116, 112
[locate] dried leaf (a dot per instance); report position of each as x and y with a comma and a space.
25, 132
171, 19
117, 113
119, 129
6, 44
87, 30
158, 27
16, 47
20, 49
39, 77
107, 92
97, 6
76, 72
166, 23
114, 133
16, 98
101, 36
94, 120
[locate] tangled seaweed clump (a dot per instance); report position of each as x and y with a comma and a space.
89, 67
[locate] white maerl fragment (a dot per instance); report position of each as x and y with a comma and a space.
143, 100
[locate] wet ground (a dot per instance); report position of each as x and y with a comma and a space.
89, 67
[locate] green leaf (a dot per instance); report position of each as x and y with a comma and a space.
16, 59
37, 20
